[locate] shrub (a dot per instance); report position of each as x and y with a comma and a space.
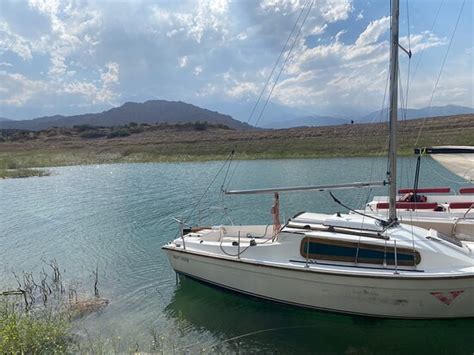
133, 124
31, 333
84, 127
92, 134
136, 129
118, 133
200, 126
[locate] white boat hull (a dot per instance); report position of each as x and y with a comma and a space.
392, 297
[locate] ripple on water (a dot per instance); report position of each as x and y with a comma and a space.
117, 217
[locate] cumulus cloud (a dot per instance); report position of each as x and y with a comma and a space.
73, 28
183, 61
203, 16
16, 89
197, 70
373, 31
10, 41
94, 54
97, 93
355, 72
242, 89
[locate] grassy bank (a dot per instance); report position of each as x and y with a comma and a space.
22, 173
32, 333
168, 144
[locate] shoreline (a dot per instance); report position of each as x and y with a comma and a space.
39, 170
68, 147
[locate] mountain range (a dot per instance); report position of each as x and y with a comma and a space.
160, 111
153, 111
376, 116
433, 111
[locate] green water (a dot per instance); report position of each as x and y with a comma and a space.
117, 217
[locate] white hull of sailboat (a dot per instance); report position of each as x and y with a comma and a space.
377, 296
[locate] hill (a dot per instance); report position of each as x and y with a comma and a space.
151, 112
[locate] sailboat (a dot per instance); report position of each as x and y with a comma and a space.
345, 263
437, 207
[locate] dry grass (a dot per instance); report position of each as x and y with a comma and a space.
171, 144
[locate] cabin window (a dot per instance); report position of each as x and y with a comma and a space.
335, 250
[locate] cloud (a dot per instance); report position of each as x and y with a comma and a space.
97, 93
10, 41
200, 18
16, 89
355, 73
420, 42
242, 89
111, 76
74, 28
373, 31
183, 61
197, 70
93, 54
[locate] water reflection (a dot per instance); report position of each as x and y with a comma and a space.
242, 323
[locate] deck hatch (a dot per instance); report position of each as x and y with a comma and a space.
337, 250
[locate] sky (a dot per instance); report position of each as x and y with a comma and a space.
71, 57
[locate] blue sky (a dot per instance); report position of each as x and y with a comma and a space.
70, 57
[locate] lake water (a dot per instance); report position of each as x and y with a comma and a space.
117, 217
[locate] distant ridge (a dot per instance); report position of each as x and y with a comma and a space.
308, 121
411, 113
4, 119
373, 117
153, 111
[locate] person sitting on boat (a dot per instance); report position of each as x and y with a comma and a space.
412, 197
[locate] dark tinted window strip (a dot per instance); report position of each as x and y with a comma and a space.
353, 252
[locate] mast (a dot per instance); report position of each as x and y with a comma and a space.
392, 154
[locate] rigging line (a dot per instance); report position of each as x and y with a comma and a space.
269, 78
431, 30
276, 64
408, 25
226, 174
209, 186
441, 71
402, 107
384, 147
409, 57
383, 222
285, 62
